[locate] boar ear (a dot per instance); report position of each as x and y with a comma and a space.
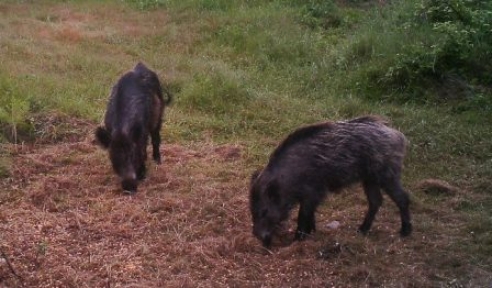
255, 175
103, 137
272, 192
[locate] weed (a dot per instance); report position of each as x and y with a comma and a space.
14, 110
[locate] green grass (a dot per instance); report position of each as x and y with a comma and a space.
244, 72
238, 74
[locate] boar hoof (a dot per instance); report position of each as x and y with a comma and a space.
129, 186
300, 235
141, 173
406, 230
363, 230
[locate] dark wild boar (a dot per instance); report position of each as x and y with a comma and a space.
323, 158
134, 111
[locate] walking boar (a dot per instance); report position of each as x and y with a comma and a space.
323, 158
134, 111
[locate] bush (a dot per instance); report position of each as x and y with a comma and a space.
455, 42
428, 51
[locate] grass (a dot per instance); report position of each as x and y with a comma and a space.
244, 74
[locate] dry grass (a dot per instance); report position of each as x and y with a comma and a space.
65, 223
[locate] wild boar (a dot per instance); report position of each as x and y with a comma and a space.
134, 111
326, 157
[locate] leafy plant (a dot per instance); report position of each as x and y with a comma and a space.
453, 38
430, 51
14, 110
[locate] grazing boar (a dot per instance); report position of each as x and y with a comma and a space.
134, 111
323, 158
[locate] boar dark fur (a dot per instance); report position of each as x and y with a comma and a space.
323, 158
134, 112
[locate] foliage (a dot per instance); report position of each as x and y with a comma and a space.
14, 109
441, 45
423, 52
463, 38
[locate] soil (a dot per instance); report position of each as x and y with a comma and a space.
64, 222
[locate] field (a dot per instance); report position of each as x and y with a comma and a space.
243, 75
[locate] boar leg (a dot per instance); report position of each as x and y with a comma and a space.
156, 141
141, 170
306, 222
375, 200
400, 197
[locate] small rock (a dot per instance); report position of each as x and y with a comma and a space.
333, 225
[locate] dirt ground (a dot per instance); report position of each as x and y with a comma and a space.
64, 222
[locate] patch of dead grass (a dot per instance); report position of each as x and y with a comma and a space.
437, 187
69, 225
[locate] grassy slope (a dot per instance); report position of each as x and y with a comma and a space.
247, 77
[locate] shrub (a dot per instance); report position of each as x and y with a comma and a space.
454, 43
431, 50
14, 110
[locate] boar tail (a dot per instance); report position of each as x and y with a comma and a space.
169, 96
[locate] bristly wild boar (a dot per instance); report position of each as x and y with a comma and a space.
134, 111
323, 158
